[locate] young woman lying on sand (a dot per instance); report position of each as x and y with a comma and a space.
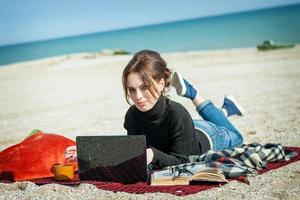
171, 134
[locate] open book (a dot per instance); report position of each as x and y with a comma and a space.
172, 176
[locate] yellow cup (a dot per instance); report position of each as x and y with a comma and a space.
63, 172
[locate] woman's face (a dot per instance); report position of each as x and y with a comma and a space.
142, 98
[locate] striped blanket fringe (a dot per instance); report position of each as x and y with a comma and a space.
237, 162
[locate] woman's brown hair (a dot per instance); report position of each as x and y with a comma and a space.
150, 66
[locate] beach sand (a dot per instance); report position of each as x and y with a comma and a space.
82, 95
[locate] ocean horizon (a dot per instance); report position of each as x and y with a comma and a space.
238, 30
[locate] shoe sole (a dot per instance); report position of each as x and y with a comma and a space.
178, 83
239, 107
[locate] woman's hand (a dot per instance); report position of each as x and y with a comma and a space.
150, 155
71, 154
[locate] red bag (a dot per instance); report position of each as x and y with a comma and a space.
34, 157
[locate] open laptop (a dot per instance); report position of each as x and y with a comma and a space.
112, 158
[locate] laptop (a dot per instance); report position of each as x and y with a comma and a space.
112, 158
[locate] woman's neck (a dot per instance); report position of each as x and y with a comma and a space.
157, 110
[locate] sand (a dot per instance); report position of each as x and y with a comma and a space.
82, 95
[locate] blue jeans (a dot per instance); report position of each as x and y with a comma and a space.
220, 131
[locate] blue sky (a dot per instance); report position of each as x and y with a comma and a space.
31, 20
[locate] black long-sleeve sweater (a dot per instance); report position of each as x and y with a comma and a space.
169, 131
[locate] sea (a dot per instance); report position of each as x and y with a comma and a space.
239, 30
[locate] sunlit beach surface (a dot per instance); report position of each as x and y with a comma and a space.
81, 94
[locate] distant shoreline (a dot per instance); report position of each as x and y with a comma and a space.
93, 55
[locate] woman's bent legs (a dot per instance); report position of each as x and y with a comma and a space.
220, 130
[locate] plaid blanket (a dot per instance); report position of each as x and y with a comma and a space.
236, 162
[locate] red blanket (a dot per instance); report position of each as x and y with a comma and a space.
142, 187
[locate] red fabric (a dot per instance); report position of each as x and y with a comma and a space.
142, 187
33, 157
